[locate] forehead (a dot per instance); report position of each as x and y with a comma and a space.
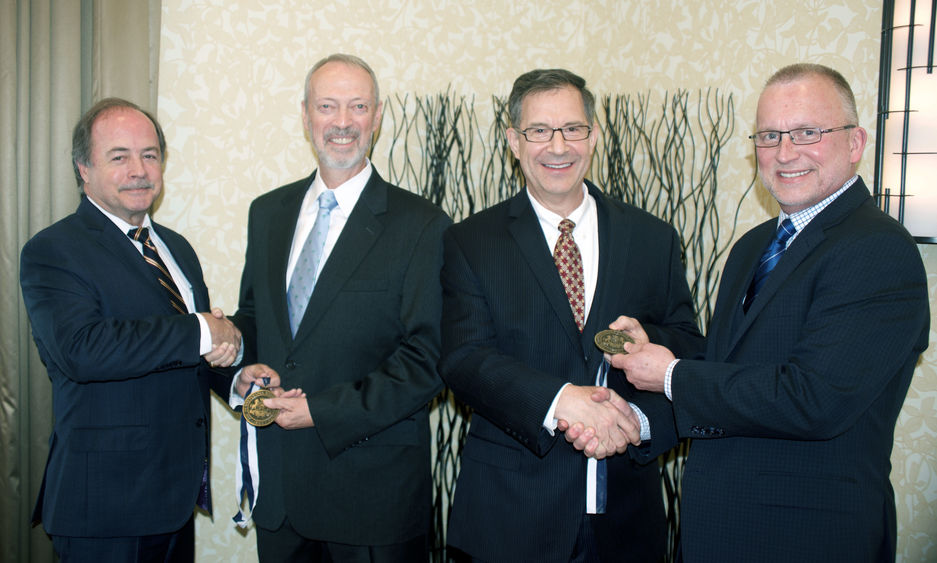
123, 126
811, 100
338, 79
558, 106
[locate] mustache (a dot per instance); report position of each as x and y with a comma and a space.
137, 186
341, 132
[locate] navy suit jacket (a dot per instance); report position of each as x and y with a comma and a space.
130, 390
793, 412
365, 354
510, 342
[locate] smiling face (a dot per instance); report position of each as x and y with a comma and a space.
554, 170
800, 176
341, 116
125, 174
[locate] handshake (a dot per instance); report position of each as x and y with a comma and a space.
225, 339
597, 420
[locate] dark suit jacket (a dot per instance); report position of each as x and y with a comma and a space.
794, 410
365, 354
130, 391
510, 342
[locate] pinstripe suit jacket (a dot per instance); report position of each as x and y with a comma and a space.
130, 391
794, 410
510, 342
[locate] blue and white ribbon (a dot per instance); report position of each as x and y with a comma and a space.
247, 474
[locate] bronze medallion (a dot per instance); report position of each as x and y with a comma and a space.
255, 412
612, 341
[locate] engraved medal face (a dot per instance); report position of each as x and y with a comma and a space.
254, 410
612, 341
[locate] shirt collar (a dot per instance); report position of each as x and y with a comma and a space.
346, 194
552, 219
121, 224
803, 217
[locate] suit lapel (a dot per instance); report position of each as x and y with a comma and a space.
361, 231
610, 244
802, 246
526, 231
191, 270
118, 244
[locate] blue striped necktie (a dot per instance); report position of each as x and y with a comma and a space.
769, 259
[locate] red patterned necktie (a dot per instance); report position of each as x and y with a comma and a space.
569, 263
152, 258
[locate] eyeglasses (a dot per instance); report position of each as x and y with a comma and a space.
802, 136
545, 134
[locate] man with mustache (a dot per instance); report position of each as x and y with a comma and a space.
112, 298
340, 295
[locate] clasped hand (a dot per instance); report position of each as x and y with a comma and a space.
597, 421
225, 339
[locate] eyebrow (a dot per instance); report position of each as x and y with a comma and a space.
567, 124
125, 149
357, 100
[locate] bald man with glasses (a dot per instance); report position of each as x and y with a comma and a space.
821, 317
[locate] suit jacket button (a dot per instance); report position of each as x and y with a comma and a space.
291, 365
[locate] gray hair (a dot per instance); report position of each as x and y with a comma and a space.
797, 71
81, 136
348, 60
543, 80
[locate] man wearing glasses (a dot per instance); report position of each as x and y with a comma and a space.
527, 284
822, 314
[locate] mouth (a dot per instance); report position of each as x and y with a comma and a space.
561, 166
788, 175
341, 137
136, 187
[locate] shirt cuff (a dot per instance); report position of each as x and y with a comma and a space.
204, 343
549, 422
235, 400
645, 423
205, 346
668, 378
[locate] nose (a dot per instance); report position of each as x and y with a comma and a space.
137, 167
558, 142
787, 150
344, 116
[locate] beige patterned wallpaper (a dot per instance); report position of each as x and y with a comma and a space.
230, 85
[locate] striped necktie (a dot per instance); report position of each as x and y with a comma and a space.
158, 267
769, 259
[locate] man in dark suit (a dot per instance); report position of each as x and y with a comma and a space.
345, 471
518, 348
129, 362
793, 410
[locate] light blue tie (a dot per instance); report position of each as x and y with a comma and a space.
304, 273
